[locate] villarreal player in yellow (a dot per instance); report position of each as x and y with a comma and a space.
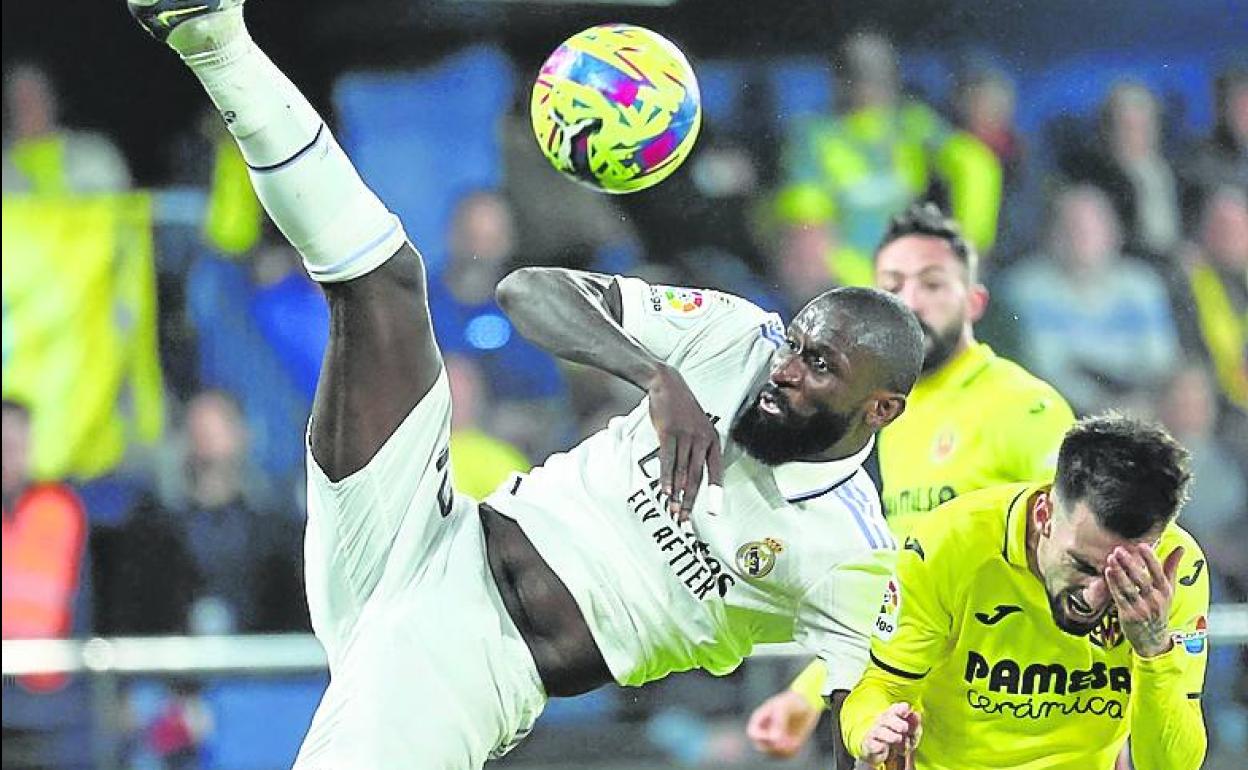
973, 420
1036, 626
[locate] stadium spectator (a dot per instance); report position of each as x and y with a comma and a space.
808, 252
1222, 157
881, 151
79, 307
175, 737
247, 557
1093, 322
984, 103
1130, 165
43, 157
259, 336
525, 382
45, 530
1213, 302
208, 556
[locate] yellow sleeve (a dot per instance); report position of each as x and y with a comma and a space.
878, 690
1167, 726
911, 634
973, 174
809, 684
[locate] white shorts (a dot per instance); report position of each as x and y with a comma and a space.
426, 667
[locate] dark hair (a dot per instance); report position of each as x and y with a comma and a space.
928, 219
887, 328
1131, 474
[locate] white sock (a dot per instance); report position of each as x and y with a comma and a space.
264, 111
301, 175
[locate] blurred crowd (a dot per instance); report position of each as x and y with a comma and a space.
1115, 247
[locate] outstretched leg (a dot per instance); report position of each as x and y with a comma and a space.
381, 418
382, 358
427, 667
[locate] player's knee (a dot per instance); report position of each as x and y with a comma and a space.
400, 280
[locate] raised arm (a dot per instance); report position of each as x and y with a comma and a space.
578, 316
1165, 627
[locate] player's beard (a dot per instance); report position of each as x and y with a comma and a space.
1073, 626
939, 345
775, 439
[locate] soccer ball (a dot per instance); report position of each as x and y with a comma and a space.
617, 108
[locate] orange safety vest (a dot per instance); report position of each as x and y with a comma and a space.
43, 539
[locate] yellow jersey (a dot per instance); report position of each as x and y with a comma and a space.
965, 635
978, 421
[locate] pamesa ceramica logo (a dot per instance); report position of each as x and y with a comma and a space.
1036, 690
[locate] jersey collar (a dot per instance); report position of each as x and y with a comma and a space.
1016, 515
799, 481
959, 371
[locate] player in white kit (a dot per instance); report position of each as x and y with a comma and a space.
642, 551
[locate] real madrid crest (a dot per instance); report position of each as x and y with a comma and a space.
757, 558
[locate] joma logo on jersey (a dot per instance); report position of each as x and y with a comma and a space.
1009, 676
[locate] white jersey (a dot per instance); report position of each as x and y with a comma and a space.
800, 552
